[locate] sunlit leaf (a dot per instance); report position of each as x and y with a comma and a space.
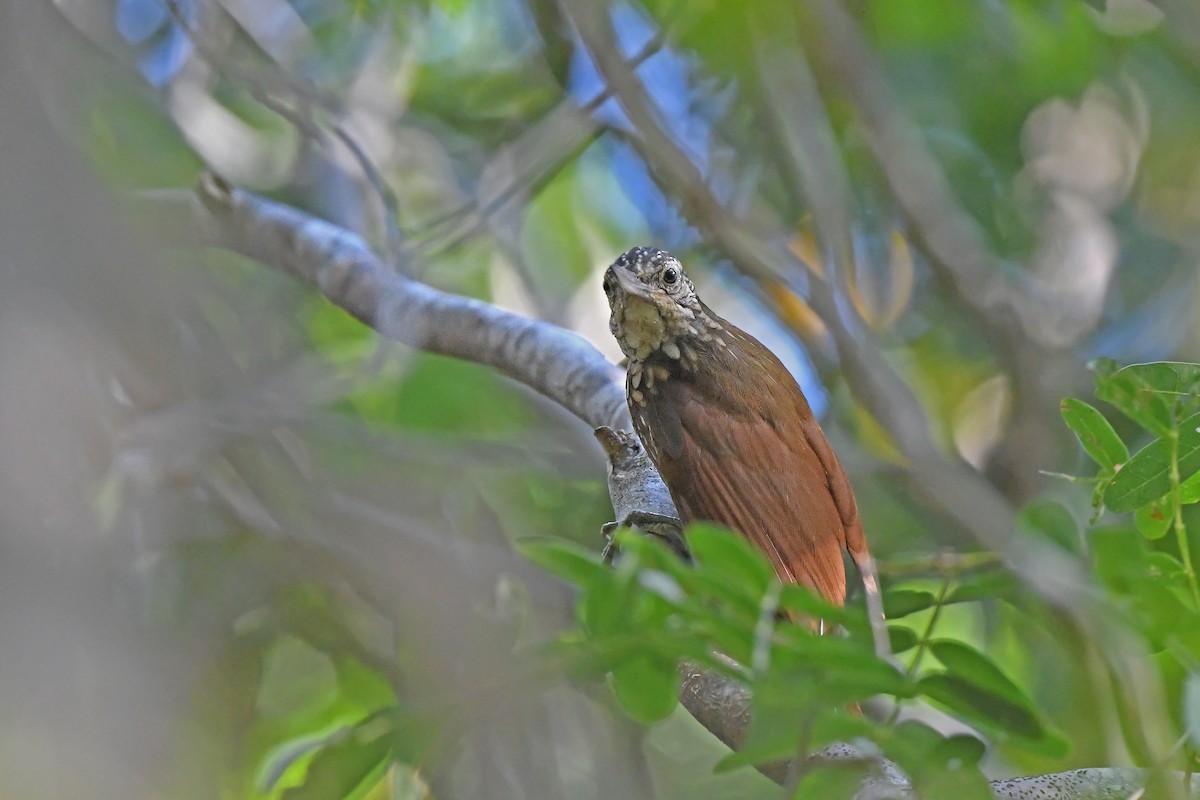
342, 767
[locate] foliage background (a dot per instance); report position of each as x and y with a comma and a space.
237, 524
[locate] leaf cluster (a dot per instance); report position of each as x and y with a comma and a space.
729, 613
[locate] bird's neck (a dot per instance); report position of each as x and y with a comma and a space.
705, 345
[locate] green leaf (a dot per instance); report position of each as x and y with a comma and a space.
997, 584
1094, 432
646, 687
902, 639
939, 767
839, 664
968, 663
731, 560
1189, 490
981, 707
831, 779
1154, 395
952, 770
899, 603
1153, 520
342, 767
1147, 476
573, 563
977, 689
803, 601
604, 608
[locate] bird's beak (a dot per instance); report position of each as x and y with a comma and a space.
630, 285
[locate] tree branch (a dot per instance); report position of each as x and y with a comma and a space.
561, 366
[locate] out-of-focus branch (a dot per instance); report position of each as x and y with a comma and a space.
1028, 325
266, 88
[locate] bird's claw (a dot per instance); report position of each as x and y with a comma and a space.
660, 526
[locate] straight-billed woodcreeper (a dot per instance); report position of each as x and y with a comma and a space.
728, 428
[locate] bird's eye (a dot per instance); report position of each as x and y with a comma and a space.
670, 276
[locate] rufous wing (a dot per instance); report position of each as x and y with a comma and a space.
768, 479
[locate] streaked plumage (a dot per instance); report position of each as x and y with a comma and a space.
728, 427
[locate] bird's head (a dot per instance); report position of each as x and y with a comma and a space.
653, 303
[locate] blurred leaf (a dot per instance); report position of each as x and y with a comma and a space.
1153, 520
297, 678
938, 766
1147, 475
842, 665
803, 601
997, 584
646, 687
407, 784
282, 760
572, 562
729, 559
1056, 53
1154, 395
923, 24
1191, 708
823, 781
603, 608
976, 688
899, 603
777, 712
902, 639
990, 712
1120, 556
443, 394
1094, 432
339, 769
970, 664
952, 770
1052, 521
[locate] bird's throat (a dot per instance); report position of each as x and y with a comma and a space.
642, 329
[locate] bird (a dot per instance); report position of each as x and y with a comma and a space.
729, 429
